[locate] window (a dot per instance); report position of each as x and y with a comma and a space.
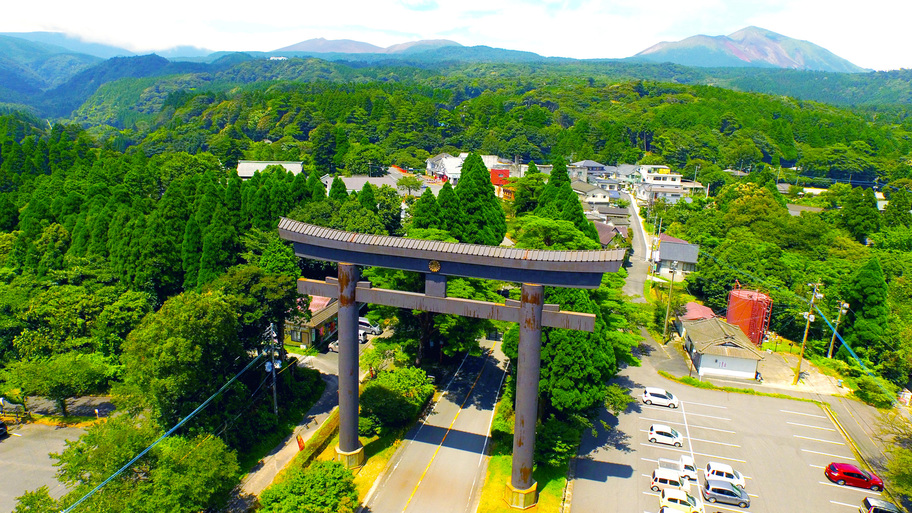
295, 336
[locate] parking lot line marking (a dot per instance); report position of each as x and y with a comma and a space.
817, 466
844, 504
681, 424
651, 493
15, 434
818, 440
708, 416
660, 408
708, 405
716, 506
809, 426
675, 449
805, 414
862, 490
656, 461
714, 429
753, 495
713, 442
828, 454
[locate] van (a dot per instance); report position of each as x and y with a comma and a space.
663, 478
365, 326
683, 465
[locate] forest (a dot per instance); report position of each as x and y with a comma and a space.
128, 244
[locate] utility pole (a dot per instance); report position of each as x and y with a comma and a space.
843, 309
810, 318
674, 266
271, 367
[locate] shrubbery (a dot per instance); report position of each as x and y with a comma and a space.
556, 442
393, 399
877, 392
324, 486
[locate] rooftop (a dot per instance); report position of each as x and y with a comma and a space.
717, 337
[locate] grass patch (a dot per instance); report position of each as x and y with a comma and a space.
782, 346
696, 383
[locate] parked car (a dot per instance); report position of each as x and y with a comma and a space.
680, 500
660, 397
660, 433
872, 505
365, 325
663, 478
725, 492
683, 465
848, 474
723, 472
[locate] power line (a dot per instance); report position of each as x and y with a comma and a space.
170, 431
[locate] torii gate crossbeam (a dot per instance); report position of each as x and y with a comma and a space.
437, 260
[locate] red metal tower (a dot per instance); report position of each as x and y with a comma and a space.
750, 310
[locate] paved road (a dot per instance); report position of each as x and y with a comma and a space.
636, 278
441, 465
25, 462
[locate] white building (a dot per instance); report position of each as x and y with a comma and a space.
658, 182
718, 348
247, 168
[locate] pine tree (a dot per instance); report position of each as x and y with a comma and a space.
451, 212
299, 193
234, 201
548, 197
897, 212
316, 187
9, 214
219, 248
869, 316
367, 198
860, 215
425, 212
573, 211
338, 191
484, 221
191, 248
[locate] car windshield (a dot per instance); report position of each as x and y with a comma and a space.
866, 474
670, 397
675, 433
692, 501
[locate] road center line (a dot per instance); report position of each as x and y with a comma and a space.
828, 454
813, 427
818, 440
805, 414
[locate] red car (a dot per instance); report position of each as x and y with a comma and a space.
848, 474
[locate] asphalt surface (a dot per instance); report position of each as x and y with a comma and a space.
636, 278
441, 464
25, 461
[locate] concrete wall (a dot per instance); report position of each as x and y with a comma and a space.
713, 365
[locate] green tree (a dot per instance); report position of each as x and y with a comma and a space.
408, 183
62, 376
191, 248
425, 212
338, 191
868, 316
219, 247
451, 212
484, 221
323, 487
860, 215
367, 198
389, 209
897, 212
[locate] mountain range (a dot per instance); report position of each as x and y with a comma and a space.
321, 45
751, 46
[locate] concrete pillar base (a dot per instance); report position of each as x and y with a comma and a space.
352, 459
521, 499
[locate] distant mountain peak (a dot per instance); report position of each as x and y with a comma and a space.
750, 46
322, 45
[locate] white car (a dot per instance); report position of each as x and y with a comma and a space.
660, 397
662, 434
722, 472
680, 500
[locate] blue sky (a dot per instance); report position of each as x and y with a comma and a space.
872, 34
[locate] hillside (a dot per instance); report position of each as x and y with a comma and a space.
27, 66
751, 46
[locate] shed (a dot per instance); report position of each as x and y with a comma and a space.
718, 348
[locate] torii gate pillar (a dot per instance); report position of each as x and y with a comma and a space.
349, 451
521, 490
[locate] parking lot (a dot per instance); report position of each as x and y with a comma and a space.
25, 462
780, 446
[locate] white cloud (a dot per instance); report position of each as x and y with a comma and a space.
871, 34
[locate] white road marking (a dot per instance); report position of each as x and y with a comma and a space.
651, 493
660, 408
862, 490
656, 461
828, 454
15, 434
814, 427
805, 414
675, 449
818, 440
713, 442
681, 424
844, 504
708, 416
708, 405
716, 506
817, 466
753, 495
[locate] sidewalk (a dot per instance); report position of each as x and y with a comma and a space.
262, 475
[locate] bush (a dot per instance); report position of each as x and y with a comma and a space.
396, 397
368, 426
324, 486
875, 391
556, 442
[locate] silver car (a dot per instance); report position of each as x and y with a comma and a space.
725, 492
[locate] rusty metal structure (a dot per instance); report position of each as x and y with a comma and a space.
750, 310
534, 269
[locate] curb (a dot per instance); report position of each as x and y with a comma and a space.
567, 499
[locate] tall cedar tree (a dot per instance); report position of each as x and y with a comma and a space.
316, 187
367, 198
338, 191
451, 212
219, 247
573, 212
191, 248
549, 204
484, 221
299, 193
426, 212
897, 213
868, 317
860, 215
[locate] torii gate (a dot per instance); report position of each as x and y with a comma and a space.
437, 260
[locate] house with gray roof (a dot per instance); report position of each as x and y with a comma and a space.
589, 193
718, 348
247, 168
686, 256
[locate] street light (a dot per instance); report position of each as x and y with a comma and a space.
674, 266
